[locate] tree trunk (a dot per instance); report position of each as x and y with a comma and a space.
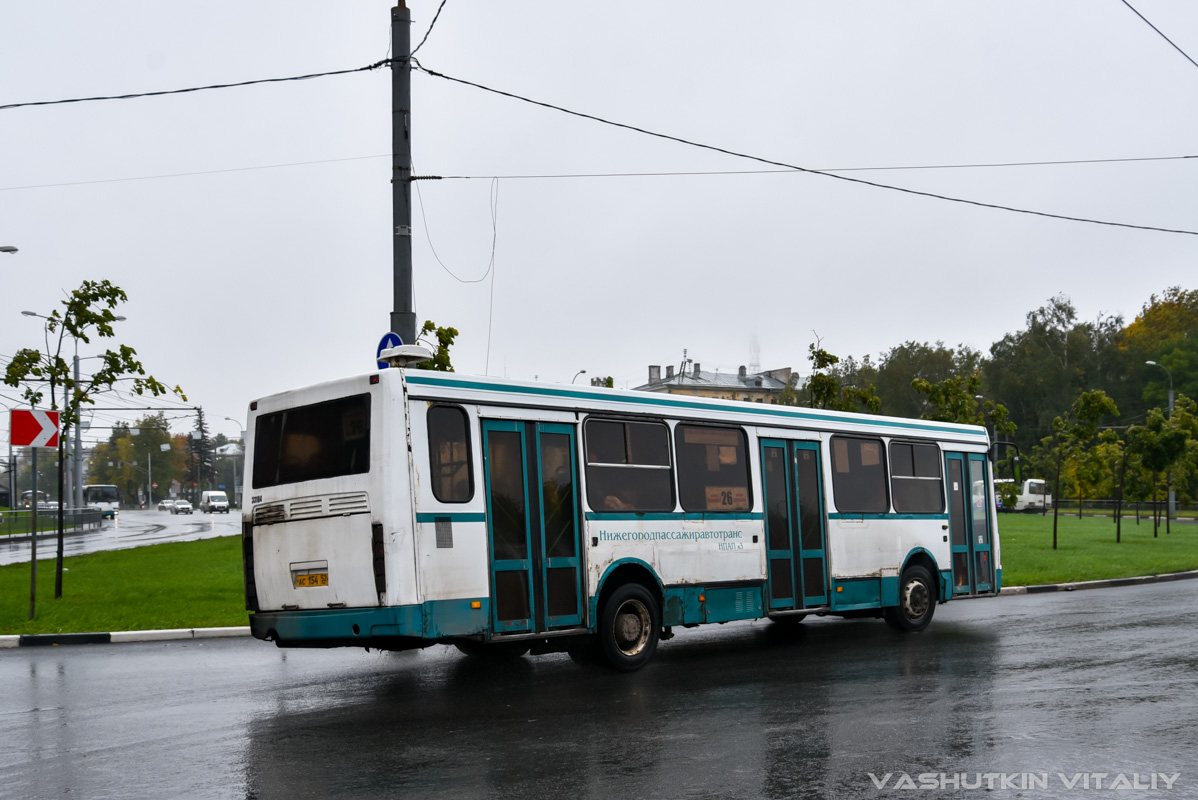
1156, 512
1168, 484
1119, 500
1056, 501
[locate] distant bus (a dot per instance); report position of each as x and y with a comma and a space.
407, 507
104, 497
1033, 495
43, 499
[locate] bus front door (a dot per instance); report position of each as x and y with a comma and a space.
794, 523
969, 523
532, 525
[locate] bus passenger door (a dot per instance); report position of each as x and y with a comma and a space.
532, 526
794, 521
969, 523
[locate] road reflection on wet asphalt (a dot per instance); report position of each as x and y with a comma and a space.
1100, 681
130, 529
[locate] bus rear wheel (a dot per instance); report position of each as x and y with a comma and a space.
630, 627
917, 601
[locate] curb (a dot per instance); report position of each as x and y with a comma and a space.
1106, 584
172, 634
55, 639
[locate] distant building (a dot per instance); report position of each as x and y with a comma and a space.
757, 387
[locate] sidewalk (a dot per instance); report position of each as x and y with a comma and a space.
55, 639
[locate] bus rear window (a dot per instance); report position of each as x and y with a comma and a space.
449, 454
323, 440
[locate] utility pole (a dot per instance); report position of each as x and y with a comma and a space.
77, 461
33, 542
403, 317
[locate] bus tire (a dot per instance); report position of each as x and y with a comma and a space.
917, 601
630, 627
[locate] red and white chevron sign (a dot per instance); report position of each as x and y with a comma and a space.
33, 428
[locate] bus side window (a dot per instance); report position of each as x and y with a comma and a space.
449, 454
915, 478
713, 470
628, 466
858, 475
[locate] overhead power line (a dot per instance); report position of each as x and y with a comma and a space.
772, 162
713, 148
1160, 33
563, 175
376, 65
430, 27
791, 171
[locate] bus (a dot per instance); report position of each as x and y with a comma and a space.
43, 499
1031, 495
406, 507
104, 497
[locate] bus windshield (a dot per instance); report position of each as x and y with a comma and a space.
100, 494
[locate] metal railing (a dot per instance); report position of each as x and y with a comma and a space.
1105, 507
20, 523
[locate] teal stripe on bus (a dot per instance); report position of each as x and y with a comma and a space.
453, 516
887, 516
630, 516
784, 412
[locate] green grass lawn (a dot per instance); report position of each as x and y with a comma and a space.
1086, 549
175, 585
198, 584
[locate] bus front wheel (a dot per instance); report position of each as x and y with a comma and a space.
917, 601
630, 627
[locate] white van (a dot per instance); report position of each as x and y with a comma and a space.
1033, 495
212, 502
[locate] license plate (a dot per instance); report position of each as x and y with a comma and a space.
312, 579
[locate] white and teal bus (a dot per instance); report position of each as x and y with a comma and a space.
104, 497
406, 507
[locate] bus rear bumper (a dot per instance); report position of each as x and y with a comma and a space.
391, 628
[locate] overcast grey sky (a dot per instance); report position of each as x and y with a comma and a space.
243, 283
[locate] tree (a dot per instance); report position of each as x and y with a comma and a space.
1163, 320
1072, 432
201, 456
445, 338
824, 389
86, 311
901, 365
1040, 370
1163, 444
955, 399
131, 460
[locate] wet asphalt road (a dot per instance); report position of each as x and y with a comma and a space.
1100, 681
131, 529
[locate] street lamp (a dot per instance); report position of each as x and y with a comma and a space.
1170, 374
576, 374
1169, 478
8, 248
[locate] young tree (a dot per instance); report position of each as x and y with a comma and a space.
86, 312
955, 399
445, 338
1073, 431
824, 389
